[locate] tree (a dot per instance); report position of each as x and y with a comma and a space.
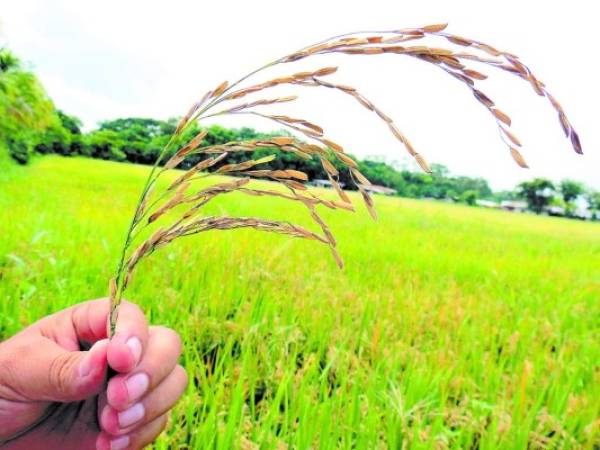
439, 170
139, 129
469, 197
381, 173
593, 199
104, 144
463, 184
538, 193
71, 123
570, 190
498, 196
25, 109
56, 139
141, 139
8, 61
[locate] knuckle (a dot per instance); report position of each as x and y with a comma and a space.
59, 372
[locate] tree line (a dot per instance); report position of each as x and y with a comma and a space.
31, 124
141, 140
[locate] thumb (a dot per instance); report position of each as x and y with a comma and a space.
58, 375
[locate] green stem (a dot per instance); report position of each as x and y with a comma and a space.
116, 301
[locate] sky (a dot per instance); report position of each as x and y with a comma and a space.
115, 58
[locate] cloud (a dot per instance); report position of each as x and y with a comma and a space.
101, 60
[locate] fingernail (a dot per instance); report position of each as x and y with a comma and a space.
131, 415
135, 345
137, 385
119, 443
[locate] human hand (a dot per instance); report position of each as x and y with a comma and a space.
54, 395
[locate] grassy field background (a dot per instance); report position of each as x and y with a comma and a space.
450, 327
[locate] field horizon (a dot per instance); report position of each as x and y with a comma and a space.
449, 327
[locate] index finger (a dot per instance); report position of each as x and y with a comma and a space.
126, 347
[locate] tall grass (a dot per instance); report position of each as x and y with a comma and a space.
450, 327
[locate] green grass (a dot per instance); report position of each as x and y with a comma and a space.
450, 327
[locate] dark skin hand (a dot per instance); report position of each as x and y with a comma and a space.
54, 395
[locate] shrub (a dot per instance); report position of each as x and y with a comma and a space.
19, 151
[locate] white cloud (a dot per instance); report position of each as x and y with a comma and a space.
89, 106
152, 58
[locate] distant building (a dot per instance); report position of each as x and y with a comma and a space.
583, 214
557, 211
324, 183
487, 203
376, 189
514, 205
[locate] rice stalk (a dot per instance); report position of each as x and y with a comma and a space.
183, 201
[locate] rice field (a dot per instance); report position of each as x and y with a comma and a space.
450, 326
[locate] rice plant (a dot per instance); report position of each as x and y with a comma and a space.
184, 200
